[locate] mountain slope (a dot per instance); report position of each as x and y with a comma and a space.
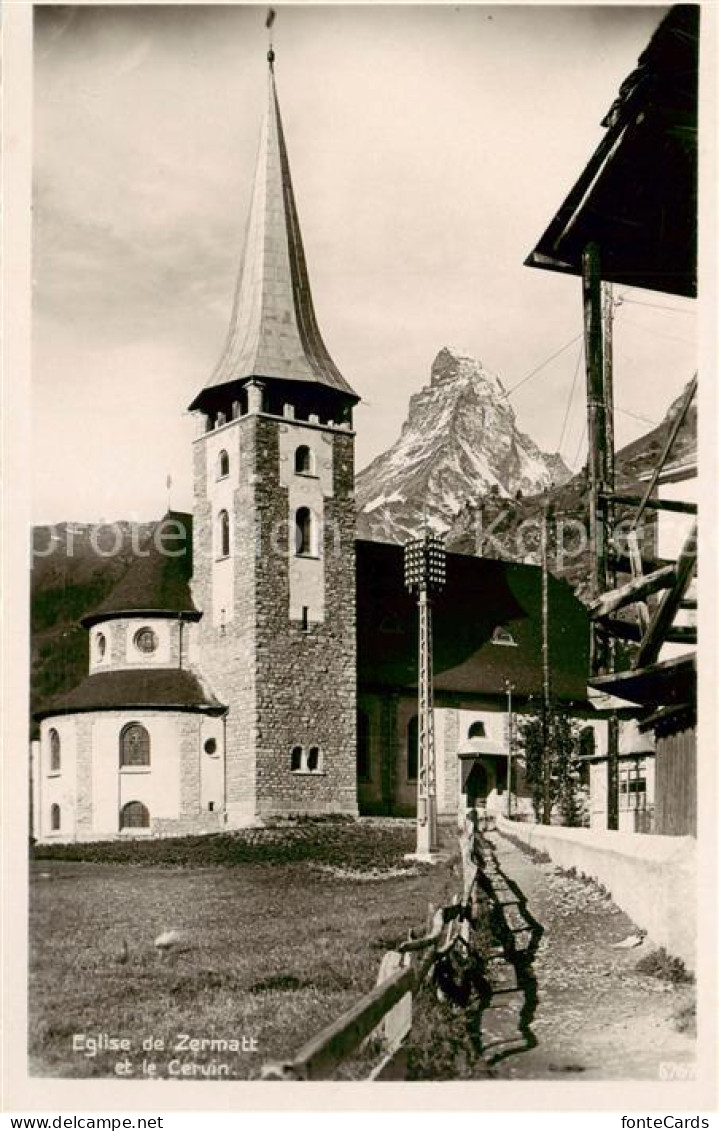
509, 528
459, 442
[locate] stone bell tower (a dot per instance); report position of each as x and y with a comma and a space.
274, 566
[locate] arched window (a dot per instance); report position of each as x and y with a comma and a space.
313, 759
304, 464
54, 818
54, 751
412, 748
477, 730
134, 815
502, 635
223, 534
223, 465
296, 759
303, 532
364, 749
134, 745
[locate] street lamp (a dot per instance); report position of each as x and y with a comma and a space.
425, 575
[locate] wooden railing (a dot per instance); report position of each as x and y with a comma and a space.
385, 1013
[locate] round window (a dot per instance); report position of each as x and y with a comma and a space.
101, 644
146, 640
211, 746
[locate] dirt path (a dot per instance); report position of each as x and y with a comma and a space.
565, 1003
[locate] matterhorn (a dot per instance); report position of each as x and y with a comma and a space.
459, 443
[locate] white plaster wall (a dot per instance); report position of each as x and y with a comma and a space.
220, 493
160, 658
212, 765
156, 786
57, 788
307, 574
191, 642
35, 786
124, 629
495, 725
652, 878
223, 586
295, 434
673, 529
598, 795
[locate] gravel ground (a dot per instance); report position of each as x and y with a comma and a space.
578, 1008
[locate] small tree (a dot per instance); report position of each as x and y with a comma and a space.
551, 770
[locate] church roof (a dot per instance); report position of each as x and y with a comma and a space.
472, 661
135, 689
158, 580
273, 329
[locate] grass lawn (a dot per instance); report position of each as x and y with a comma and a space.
281, 937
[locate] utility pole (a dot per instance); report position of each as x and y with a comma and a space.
425, 573
596, 437
610, 577
546, 687
510, 741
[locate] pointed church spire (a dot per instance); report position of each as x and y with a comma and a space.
273, 330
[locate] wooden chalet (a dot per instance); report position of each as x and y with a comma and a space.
630, 219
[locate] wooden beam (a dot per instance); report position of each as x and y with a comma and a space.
674, 432
630, 630
633, 591
637, 568
677, 505
668, 607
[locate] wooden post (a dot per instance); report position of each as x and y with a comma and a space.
510, 738
596, 434
609, 578
546, 689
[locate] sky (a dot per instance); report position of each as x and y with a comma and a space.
429, 148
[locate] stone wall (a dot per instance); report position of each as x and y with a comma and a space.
286, 683
305, 682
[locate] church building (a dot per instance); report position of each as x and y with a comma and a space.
257, 660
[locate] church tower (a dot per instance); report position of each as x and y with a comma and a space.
274, 565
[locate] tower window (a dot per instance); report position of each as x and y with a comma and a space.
146, 640
223, 465
134, 815
304, 532
296, 759
502, 635
223, 534
364, 764
134, 745
412, 748
54, 751
313, 759
211, 746
477, 730
304, 461
100, 646
54, 818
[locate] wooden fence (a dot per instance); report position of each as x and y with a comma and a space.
385, 1013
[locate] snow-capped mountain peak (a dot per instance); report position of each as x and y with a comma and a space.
459, 442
